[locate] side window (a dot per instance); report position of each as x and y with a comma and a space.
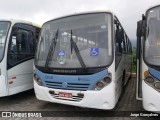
21, 46
31, 43
119, 38
124, 42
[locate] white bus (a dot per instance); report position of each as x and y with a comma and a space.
148, 59
82, 60
17, 47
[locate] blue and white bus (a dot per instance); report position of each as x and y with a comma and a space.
83, 60
148, 56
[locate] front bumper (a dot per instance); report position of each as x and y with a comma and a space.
151, 98
103, 99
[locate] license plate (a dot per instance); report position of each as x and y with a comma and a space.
65, 95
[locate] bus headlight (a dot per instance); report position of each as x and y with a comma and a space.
106, 80
157, 85
149, 79
99, 85
153, 82
38, 80
102, 83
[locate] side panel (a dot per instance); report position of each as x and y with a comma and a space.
3, 86
20, 77
21, 47
123, 58
119, 76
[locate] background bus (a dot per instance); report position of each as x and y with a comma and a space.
83, 60
148, 59
17, 47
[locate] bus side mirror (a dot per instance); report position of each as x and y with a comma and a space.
119, 35
141, 31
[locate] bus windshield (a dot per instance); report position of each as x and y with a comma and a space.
152, 42
84, 38
4, 27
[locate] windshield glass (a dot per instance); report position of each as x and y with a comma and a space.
152, 43
91, 34
4, 26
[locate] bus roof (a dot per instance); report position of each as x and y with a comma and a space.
156, 5
81, 13
13, 21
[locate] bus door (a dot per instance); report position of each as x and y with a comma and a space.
20, 58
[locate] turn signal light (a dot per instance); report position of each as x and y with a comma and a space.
146, 73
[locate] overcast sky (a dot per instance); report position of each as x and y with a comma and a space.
40, 11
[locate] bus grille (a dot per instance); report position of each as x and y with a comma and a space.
70, 86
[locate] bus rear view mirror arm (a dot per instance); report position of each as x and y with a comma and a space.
141, 27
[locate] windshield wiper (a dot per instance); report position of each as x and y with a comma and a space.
51, 50
74, 45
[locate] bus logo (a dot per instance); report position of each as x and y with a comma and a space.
94, 51
64, 84
61, 53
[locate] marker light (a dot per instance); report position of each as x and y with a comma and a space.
146, 73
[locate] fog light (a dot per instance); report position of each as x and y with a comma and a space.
51, 92
157, 85
106, 80
149, 79
100, 85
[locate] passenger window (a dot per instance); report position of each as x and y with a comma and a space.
31, 43
21, 46
118, 43
125, 44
